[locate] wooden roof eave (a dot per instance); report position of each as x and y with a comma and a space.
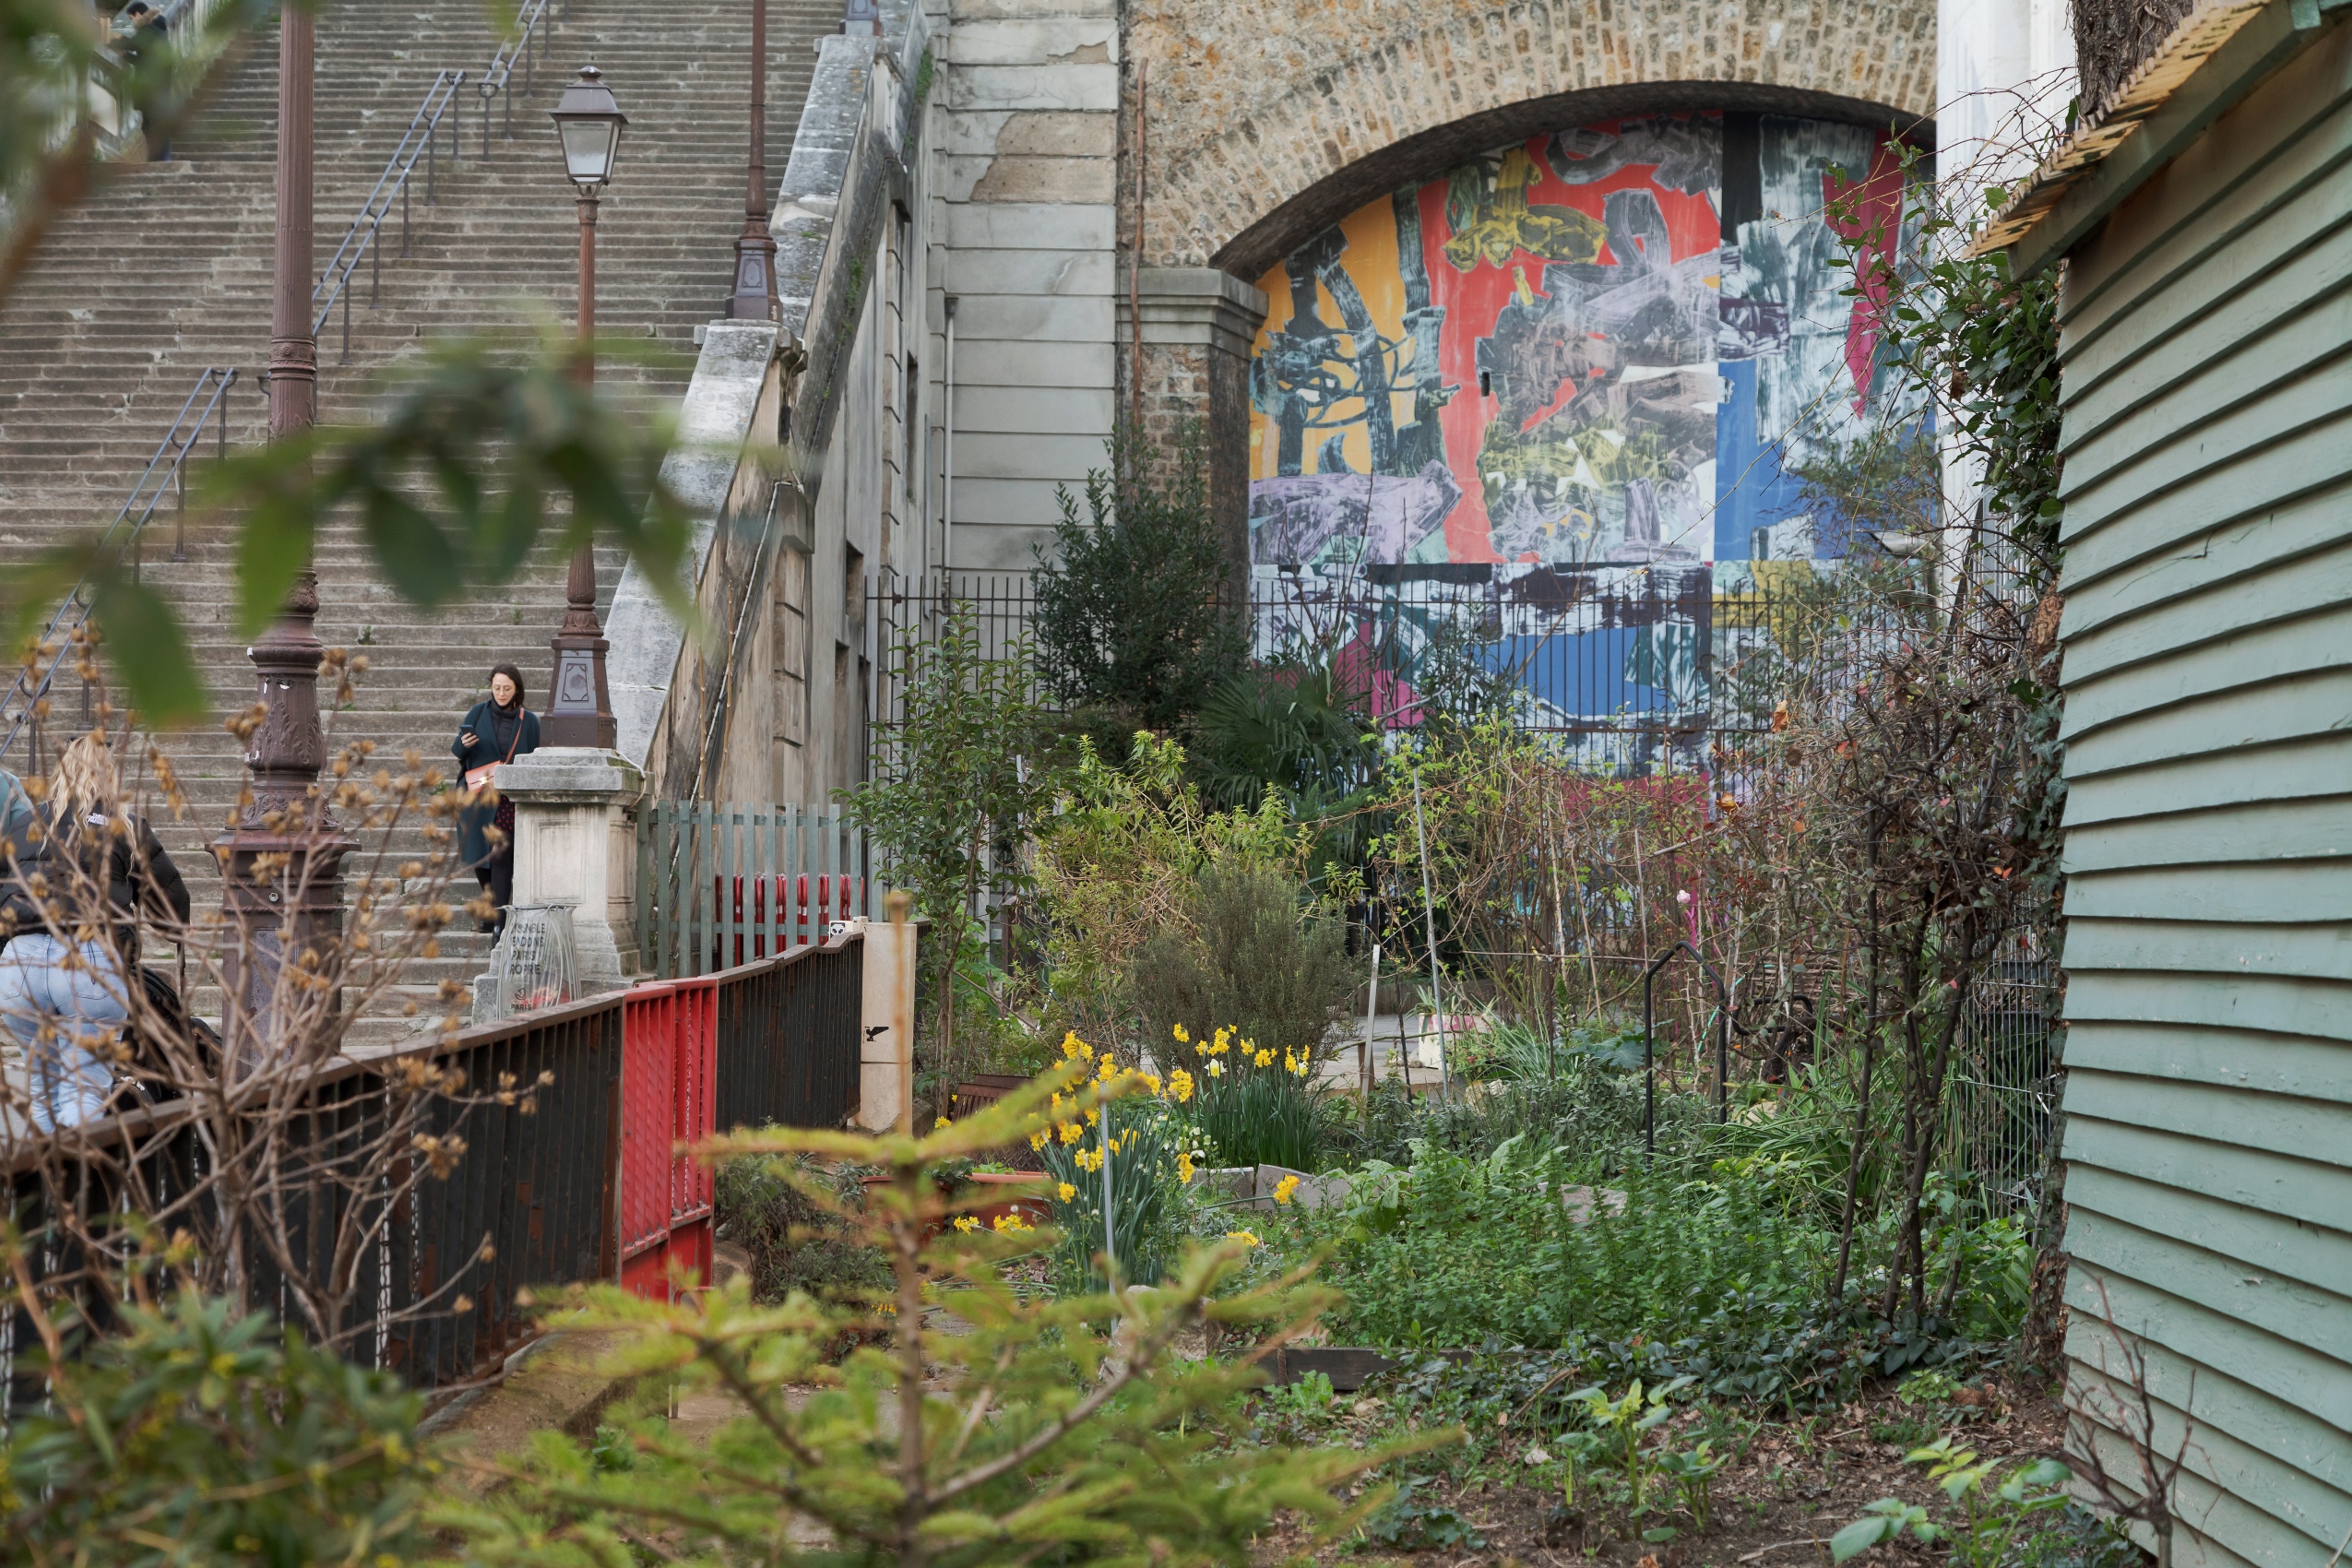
2204, 69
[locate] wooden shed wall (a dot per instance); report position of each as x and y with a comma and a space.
2207, 342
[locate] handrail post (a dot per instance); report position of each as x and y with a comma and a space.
404, 206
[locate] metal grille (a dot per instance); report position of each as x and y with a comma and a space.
649, 1116
2003, 1100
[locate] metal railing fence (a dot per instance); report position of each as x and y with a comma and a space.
165, 474
533, 35
1635, 669
533, 1200
422, 139
722, 884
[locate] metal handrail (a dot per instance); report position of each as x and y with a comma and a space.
167, 470
532, 19
422, 139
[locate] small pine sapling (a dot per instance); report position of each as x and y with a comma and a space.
977, 1422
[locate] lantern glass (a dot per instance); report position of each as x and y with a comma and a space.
589, 122
588, 146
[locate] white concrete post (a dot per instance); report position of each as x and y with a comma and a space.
574, 844
885, 1067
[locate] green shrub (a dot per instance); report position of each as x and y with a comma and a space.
1456, 1251
1592, 1112
1257, 958
199, 1437
793, 1242
1134, 627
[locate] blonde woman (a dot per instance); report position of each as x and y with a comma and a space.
77, 841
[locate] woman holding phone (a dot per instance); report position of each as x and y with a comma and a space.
498, 728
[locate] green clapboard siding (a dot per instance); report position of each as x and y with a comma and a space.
2207, 346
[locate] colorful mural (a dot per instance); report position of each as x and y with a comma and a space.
1598, 352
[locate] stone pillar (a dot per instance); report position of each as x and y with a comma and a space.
887, 1020
574, 843
1199, 325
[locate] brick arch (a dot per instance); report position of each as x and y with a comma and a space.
1267, 121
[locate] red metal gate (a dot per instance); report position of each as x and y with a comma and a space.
668, 1101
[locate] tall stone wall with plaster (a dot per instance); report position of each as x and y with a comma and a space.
1024, 215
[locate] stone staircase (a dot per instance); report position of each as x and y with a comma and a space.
167, 270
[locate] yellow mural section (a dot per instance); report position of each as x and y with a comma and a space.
1373, 268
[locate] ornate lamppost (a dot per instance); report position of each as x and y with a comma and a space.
579, 711
279, 908
754, 297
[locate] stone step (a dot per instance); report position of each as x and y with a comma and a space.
167, 270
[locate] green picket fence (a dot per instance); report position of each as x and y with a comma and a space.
722, 884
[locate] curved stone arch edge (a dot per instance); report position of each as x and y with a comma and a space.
1427, 154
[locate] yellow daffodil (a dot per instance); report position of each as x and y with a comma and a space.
1217, 1069
1247, 1238
1181, 1038
1071, 1132
1093, 1117
1264, 1059
1284, 1188
1067, 1192
1179, 1086
1008, 1224
967, 1223
1184, 1166
940, 1122
1038, 1139
1071, 1046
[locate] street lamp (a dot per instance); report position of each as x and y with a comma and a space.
281, 858
588, 123
579, 711
754, 297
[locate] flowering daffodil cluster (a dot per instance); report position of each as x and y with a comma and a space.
1285, 1188
1227, 1043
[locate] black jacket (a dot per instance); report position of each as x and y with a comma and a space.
141, 879
494, 731
492, 728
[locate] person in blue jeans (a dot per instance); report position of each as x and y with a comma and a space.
68, 971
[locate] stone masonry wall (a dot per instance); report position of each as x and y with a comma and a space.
1266, 122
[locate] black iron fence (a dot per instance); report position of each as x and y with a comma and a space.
533, 1201
1633, 669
